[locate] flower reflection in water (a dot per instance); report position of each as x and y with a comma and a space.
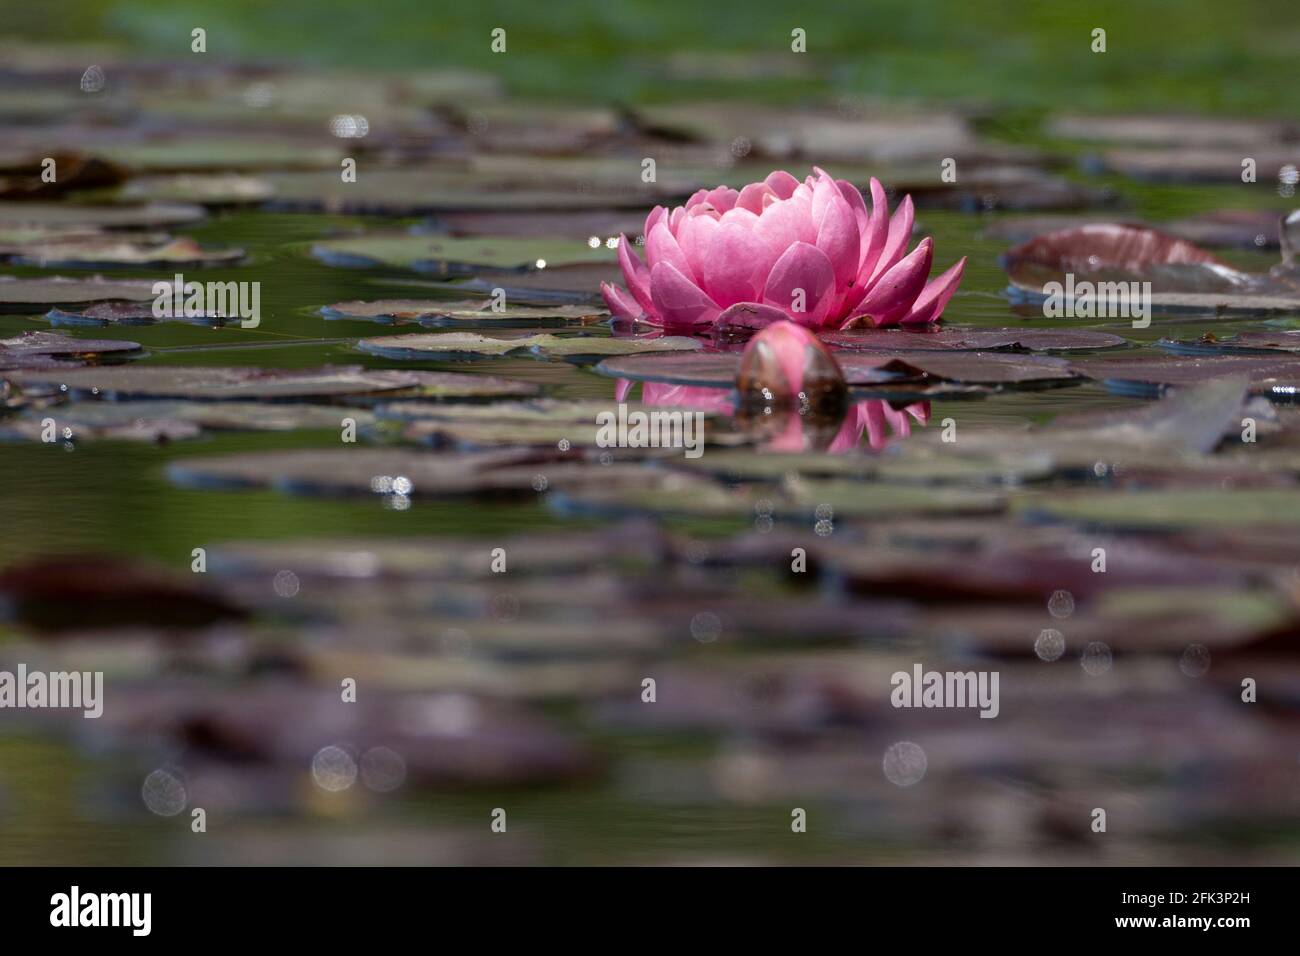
787, 430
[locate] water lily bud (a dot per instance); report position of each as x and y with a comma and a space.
786, 365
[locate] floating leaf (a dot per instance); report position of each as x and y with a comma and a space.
418, 192
129, 313
1199, 165
882, 371
171, 421
214, 189
446, 254
16, 352
146, 216
26, 180
467, 345
18, 294
436, 313
1170, 130
215, 383
972, 340
225, 153
1172, 508
1182, 276
1260, 343
1240, 228
121, 251
502, 472
1277, 375
559, 284
58, 594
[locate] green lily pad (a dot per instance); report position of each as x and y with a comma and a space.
468, 345
800, 499
503, 472
435, 313
122, 251
1249, 343
418, 192
128, 313
172, 421
21, 294
547, 423
447, 255
190, 154
246, 383
1170, 508
212, 189
145, 216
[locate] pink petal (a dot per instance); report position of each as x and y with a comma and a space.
662, 246
782, 183
697, 197
892, 296
741, 217
751, 197
929, 305
679, 300
723, 198
693, 238
620, 303
838, 238
873, 241
657, 215
623, 388
824, 190
784, 223
635, 273
805, 267
736, 265
853, 196
900, 234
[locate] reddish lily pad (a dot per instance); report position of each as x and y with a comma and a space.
59, 594
972, 340
1276, 376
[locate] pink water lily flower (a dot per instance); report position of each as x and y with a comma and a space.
809, 252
